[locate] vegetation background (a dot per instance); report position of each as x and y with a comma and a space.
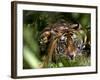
35, 21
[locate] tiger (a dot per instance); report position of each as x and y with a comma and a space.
62, 39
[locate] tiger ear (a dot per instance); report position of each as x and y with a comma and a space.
76, 26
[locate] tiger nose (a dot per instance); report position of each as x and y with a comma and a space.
71, 57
